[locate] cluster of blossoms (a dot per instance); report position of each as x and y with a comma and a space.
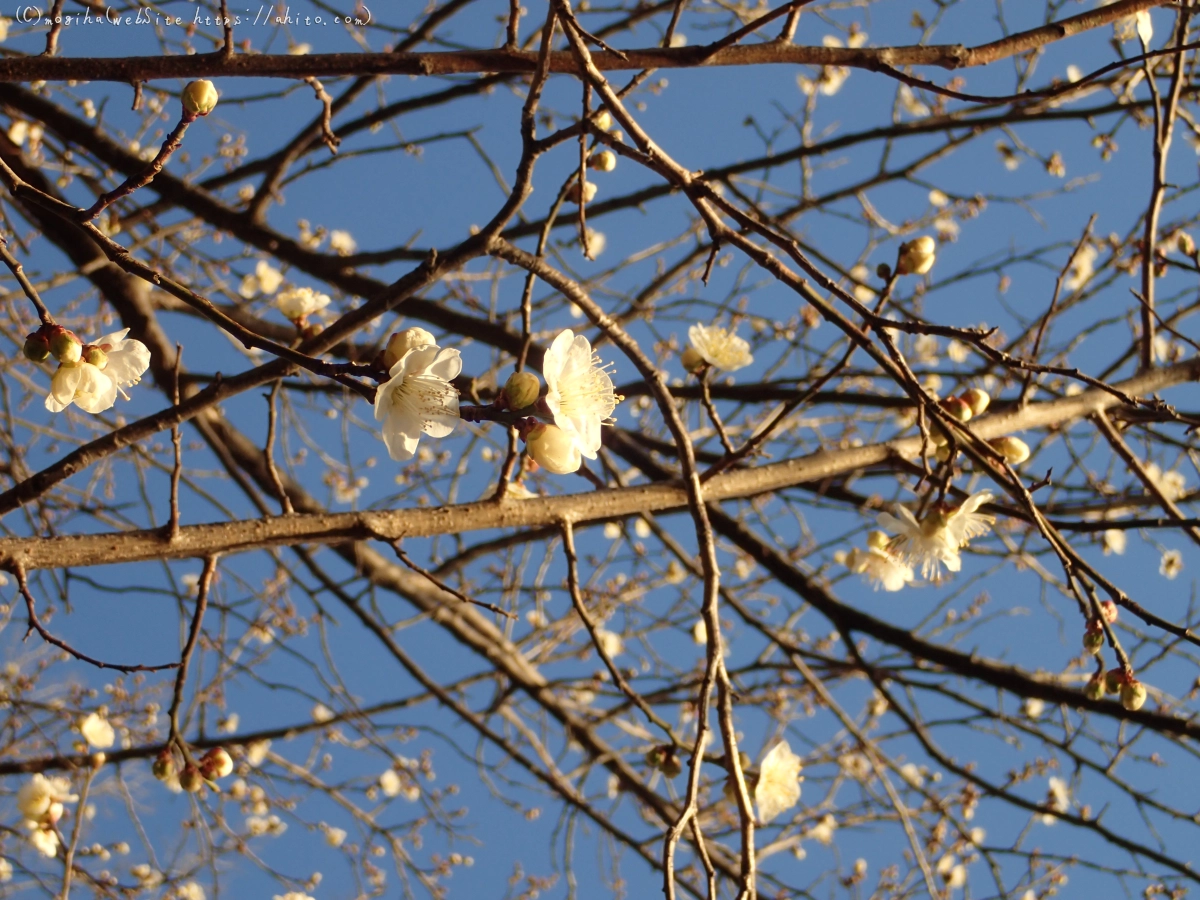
41, 801
928, 543
191, 777
89, 375
579, 399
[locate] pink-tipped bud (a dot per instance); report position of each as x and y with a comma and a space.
65, 346
1109, 610
957, 408
216, 763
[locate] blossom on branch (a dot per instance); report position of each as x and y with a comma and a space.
579, 392
418, 399
935, 540
719, 348
104, 369
878, 565
298, 304
778, 788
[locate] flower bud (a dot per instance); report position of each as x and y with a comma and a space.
1014, 450
1094, 689
191, 780
1093, 638
66, 347
957, 409
884, 271
53, 813
942, 454
94, 355
1185, 244
692, 360
916, 256
602, 120
878, 540
403, 341
36, 348
216, 763
1113, 679
164, 766
664, 759
977, 399
553, 449
604, 161
1110, 611
200, 97
589, 192
522, 389
1133, 695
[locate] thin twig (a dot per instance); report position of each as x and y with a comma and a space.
269, 451
441, 585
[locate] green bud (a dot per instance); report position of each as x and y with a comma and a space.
1133, 695
164, 766
691, 360
94, 355
66, 347
36, 348
1094, 690
1113, 679
191, 780
200, 97
522, 389
1093, 641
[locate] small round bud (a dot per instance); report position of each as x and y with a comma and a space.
1110, 611
553, 449
1133, 695
1113, 679
522, 389
878, 540
66, 347
94, 355
1093, 638
602, 120
200, 97
942, 454
692, 360
663, 759
216, 763
1185, 244
1014, 450
98, 759
604, 161
977, 399
191, 780
1094, 689
589, 192
916, 257
403, 341
164, 766
884, 271
36, 348
957, 409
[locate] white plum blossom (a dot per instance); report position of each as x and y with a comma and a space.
45, 840
935, 540
418, 399
299, 303
97, 731
778, 787
341, 242
266, 279
38, 797
878, 566
610, 642
579, 390
1171, 564
106, 367
1058, 799
720, 348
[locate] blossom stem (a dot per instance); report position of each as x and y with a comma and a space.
14, 266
